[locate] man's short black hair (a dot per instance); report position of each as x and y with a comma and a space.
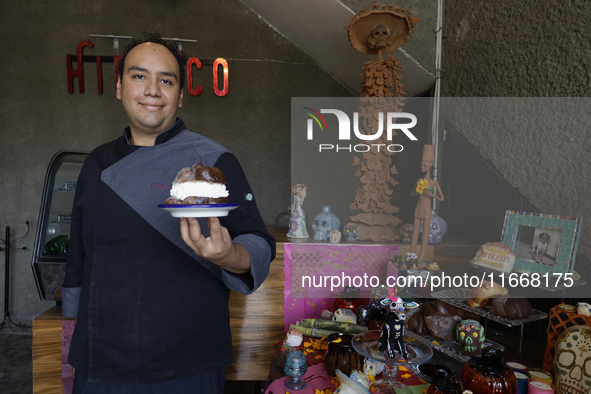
157, 39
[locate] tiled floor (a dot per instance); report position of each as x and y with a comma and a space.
16, 372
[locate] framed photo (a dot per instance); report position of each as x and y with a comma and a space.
541, 242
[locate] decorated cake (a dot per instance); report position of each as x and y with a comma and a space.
199, 185
495, 256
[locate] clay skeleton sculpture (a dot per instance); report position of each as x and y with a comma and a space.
380, 30
380, 37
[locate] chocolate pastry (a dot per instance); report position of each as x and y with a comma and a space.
440, 307
416, 323
208, 174
195, 177
441, 319
482, 296
511, 308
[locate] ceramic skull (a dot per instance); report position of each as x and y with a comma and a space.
334, 236
572, 360
379, 37
470, 334
351, 232
584, 309
321, 229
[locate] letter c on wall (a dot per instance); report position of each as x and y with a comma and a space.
190, 62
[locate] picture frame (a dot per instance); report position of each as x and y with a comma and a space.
542, 243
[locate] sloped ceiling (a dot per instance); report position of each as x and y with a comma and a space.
317, 27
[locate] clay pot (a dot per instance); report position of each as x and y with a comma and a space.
341, 355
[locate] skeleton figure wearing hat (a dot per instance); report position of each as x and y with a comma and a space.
378, 31
391, 338
426, 189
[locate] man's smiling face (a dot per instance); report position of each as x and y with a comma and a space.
150, 90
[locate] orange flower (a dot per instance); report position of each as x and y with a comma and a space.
335, 381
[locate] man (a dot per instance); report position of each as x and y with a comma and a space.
151, 299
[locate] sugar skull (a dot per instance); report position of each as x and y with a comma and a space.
572, 361
334, 236
349, 386
345, 315
361, 379
470, 334
372, 367
294, 338
326, 315
584, 309
351, 232
321, 227
406, 233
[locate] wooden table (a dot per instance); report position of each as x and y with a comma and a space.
256, 323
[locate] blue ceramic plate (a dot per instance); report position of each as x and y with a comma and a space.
198, 210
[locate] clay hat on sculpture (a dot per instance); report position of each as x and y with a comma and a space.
428, 153
396, 19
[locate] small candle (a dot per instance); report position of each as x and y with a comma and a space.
541, 374
540, 386
516, 365
522, 381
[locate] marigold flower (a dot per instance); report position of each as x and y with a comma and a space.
422, 184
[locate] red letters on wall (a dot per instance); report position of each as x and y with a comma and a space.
190, 62
79, 72
224, 63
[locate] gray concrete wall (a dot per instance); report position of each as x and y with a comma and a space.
527, 48
38, 117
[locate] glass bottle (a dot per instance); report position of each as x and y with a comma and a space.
57, 246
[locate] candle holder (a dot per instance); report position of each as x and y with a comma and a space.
295, 367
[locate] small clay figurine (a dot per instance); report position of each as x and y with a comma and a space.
470, 334
427, 189
297, 221
392, 336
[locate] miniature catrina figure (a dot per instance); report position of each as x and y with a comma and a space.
392, 336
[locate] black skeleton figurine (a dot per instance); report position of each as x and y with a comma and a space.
392, 336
